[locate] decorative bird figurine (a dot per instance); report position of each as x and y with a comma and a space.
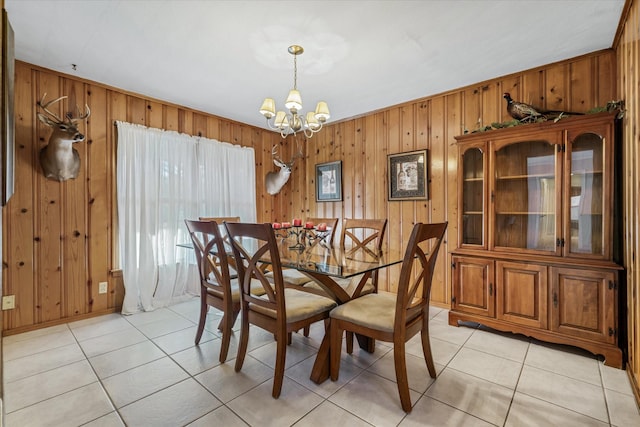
521, 111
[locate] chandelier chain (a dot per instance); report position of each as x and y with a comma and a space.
295, 72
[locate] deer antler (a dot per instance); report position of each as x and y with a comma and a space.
68, 118
80, 115
45, 107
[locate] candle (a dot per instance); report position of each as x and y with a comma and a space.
286, 224
276, 225
322, 227
297, 222
308, 224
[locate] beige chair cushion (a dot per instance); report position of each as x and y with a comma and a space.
349, 285
291, 276
300, 305
256, 289
375, 311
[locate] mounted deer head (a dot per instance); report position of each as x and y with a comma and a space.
59, 160
276, 180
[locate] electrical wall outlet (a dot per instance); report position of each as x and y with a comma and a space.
102, 288
8, 302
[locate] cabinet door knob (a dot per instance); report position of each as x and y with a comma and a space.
555, 299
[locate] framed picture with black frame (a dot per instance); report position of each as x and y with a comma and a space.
329, 182
408, 175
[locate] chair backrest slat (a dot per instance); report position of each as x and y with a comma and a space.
210, 255
414, 284
252, 244
367, 234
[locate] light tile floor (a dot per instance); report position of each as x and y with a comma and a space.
143, 370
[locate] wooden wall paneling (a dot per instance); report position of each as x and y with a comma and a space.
266, 214
327, 153
438, 162
380, 178
400, 227
298, 179
155, 115
605, 79
422, 126
49, 224
199, 125
556, 85
582, 88
285, 197
371, 188
20, 214
136, 110
307, 179
331, 144
472, 109
345, 148
116, 111
492, 103
185, 121
394, 208
75, 299
213, 128
338, 153
532, 90
171, 118
453, 122
312, 159
99, 207
225, 131
238, 131
359, 168
255, 143
518, 91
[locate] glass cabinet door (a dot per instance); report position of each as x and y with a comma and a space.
473, 196
586, 189
525, 196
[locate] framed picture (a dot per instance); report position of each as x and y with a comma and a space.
329, 182
408, 175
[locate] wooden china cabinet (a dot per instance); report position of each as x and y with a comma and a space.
536, 243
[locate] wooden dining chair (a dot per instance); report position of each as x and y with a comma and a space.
216, 287
281, 310
360, 235
395, 318
365, 235
220, 220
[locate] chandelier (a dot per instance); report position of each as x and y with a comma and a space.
294, 121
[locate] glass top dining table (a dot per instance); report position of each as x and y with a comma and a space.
325, 264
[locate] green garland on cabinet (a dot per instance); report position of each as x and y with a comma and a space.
610, 106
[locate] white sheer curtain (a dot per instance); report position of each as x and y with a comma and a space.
162, 178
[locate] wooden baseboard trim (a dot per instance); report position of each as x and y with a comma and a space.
56, 322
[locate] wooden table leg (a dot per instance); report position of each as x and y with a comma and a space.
320, 371
366, 343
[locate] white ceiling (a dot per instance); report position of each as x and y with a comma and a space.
224, 57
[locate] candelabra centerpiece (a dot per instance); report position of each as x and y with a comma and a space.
306, 236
